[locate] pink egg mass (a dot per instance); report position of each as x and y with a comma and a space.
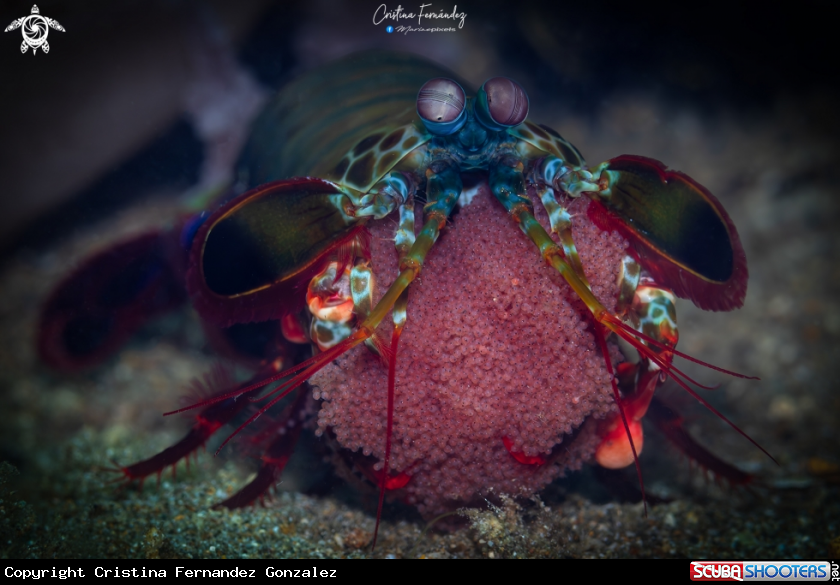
497, 350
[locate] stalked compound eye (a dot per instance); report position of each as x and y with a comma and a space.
441, 104
501, 104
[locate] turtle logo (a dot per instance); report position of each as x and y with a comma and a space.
35, 28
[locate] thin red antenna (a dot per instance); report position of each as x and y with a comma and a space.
599, 335
389, 426
677, 374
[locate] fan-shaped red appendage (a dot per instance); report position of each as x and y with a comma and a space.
706, 294
271, 303
278, 299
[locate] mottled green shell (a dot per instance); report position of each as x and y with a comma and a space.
547, 140
349, 122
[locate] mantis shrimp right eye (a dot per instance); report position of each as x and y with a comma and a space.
441, 104
501, 103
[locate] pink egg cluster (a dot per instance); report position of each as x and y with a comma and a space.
497, 347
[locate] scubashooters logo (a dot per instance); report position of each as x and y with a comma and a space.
426, 18
762, 571
35, 29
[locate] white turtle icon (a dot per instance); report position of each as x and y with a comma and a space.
35, 30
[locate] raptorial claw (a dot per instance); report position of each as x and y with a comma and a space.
253, 256
682, 234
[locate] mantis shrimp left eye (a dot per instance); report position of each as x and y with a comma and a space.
442, 106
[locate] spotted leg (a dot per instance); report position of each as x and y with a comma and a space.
545, 175
508, 186
334, 299
616, 187
649, 309
616, 448
663, 214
